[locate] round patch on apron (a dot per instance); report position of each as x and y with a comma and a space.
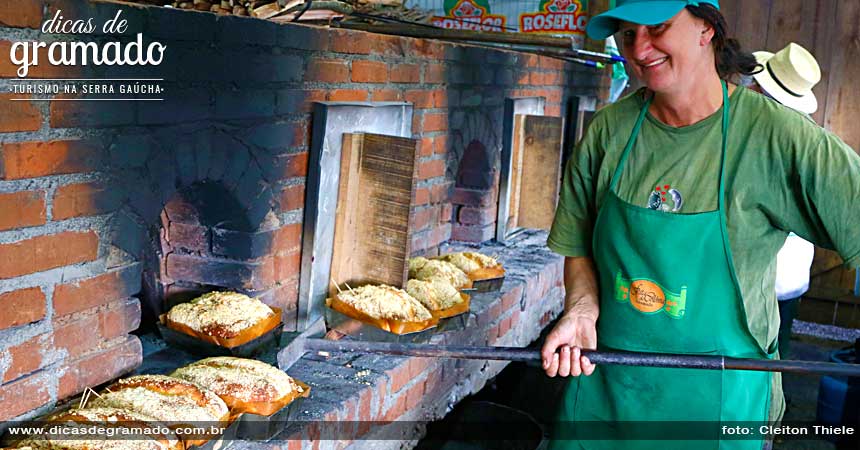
646, 296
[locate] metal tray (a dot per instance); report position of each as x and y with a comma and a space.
488, 284
190, 344
455, 323
364, 332
263, 428
226, 439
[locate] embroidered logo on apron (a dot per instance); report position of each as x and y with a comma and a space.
665, 198
648, 297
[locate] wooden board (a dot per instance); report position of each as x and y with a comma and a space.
373, 215
843, 103
770, 25
823, 47
596, 7
792, 21
806, 23
515, 180
540, 177
829, 279
824, 261
749, 21
829, 312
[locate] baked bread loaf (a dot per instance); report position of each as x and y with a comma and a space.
415, 264
435, 294
166, 399
110, 418
245, 385
470, 262
225, 318
384, 302
431, 269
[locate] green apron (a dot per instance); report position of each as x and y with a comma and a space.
667, 285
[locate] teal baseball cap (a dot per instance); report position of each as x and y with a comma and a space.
644, 12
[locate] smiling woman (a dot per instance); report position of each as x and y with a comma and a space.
679, 54
742, 171
729, 58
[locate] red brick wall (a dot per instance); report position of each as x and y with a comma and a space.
83, 184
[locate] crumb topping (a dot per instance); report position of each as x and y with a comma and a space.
385, 302
435, 294
415, 264
116, 417
165, 398
221, 314
244, 379
437, 269
470, 261
110, 415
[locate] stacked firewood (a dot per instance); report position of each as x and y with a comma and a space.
393, 9
235, 7
320, 10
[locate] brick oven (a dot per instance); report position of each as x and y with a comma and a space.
112, 211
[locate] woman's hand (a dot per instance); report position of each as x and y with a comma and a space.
577, 328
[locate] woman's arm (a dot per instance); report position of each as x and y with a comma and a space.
819, 194
577, 328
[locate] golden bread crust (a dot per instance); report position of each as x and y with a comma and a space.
165, 398
220, 314
246, 385
437, 269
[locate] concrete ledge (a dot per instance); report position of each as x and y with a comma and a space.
352, 389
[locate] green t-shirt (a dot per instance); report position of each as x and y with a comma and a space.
783, 173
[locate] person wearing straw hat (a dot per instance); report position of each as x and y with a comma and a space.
673, 207
788, 77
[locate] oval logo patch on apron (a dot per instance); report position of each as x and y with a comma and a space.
646, 296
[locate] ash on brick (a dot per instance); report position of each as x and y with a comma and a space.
211, 206
205, 240
476, 167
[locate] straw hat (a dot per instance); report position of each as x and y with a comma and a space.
789, 76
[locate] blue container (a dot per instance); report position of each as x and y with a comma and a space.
838, 396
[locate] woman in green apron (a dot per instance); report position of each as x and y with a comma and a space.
673, 208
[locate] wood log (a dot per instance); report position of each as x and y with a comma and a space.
272, 9
382, 2
320, 15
